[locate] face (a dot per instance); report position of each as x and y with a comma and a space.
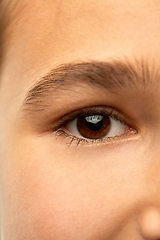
80, 121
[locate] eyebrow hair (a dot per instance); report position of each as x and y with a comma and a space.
113, 76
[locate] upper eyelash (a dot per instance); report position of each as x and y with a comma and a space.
103, 110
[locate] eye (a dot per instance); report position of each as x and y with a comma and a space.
96, 127
94, 124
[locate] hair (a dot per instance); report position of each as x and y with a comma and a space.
1, 30
3, 25
6, 17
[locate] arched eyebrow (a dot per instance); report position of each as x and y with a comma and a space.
114, 76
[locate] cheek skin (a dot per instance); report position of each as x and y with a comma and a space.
150, 226
62, 196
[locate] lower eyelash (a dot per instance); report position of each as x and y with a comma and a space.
62, 133
77, 141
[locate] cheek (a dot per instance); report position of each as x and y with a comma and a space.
55, 193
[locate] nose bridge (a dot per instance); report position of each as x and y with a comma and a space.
154, 174
149, 223
151, 171
149, 216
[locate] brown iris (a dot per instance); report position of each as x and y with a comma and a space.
93, 126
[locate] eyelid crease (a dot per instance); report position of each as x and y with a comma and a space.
102, 110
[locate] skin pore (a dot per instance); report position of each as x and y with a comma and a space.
62, 60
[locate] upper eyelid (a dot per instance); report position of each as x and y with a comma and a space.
75, 114
105, 110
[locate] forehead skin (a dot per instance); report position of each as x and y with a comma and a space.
45, 34
42, 35
62, 29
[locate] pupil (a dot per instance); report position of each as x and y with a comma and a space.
94, 126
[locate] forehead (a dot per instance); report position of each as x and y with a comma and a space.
43, 34
72, 25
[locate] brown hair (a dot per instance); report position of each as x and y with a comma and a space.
3, 24
7, 8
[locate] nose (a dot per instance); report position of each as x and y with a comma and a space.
150, 223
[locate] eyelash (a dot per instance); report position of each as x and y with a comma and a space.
59, 126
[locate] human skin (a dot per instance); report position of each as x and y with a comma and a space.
50, 189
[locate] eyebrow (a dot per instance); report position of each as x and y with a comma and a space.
113, 76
